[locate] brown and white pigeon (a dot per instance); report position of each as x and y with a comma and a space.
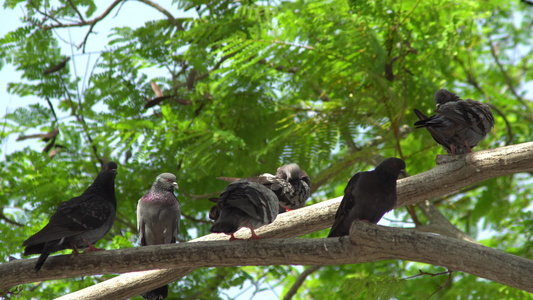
245, 204
368, 196
158, 220
79, 222
290, 184
459, 125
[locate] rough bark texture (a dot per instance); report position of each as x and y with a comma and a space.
366, 243
451, 174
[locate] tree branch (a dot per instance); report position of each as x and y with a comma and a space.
508, 79
76, 10
438, 223
299, 281
366, 243
82, 22
451, 174
165, 12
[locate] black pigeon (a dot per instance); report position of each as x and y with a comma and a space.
368, 196
290, 184
459, 125
158, 220
245, 204
79, 222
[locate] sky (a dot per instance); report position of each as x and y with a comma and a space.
133, 14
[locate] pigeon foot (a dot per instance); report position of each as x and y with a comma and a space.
74, 248
233, 238
91, 246
254, 236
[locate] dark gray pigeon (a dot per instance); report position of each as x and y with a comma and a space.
79, 222
459, 125
368, 196
245, 204
158, 220
290, 184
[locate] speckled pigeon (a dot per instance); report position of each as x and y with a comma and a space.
368, 196
158, 220
459, 125
300, 184
79, 222
290, 184
245, 204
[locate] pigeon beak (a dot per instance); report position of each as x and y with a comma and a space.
175, 184
404, 173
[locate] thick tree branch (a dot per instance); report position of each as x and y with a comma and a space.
438, 223
388, 243
366, 243
451, 174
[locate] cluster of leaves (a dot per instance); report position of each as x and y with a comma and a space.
251, 85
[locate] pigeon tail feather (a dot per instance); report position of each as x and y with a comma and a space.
225, 226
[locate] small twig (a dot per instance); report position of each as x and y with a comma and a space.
82, 23
412, 213
165, 12
190, 218
421, 273
81, 119
76, 9
197, 197
440, 288
510, 137
8, 220
124, 220
508, 79
52, 108
44, 14
299, 281
84, 42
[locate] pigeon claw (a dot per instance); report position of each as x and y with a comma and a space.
91, 246
286, 208
468, 146
233, 238
74, 248
254, 236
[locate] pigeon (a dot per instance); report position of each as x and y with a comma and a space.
459, 125
244, 203
158, 220
368, 196
79, 222
300, 184
290, 184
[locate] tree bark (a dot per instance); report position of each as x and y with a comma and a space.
450, 174
366, 243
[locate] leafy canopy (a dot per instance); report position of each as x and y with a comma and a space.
248, 86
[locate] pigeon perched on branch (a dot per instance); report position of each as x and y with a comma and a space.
290, 184
245, 204
158, 220
459, 125
79, 222
368, 196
